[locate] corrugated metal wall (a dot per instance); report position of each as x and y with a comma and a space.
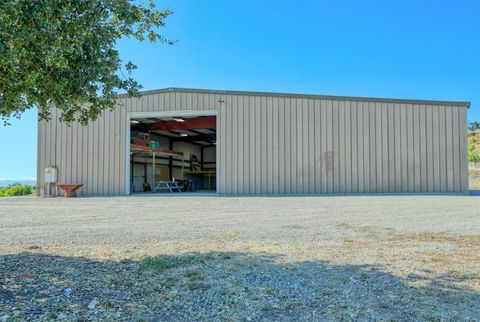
281, 144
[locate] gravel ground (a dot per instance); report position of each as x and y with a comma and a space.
240, 259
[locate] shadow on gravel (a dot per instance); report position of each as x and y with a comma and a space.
221, 286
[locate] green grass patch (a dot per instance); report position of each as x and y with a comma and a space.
16, 190
231, 234
164, 262
168, 282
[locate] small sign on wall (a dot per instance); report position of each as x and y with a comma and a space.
51, 175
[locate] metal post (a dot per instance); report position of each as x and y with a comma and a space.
170, 161
153, 170
183, 166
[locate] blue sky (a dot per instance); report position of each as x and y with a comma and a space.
401, 49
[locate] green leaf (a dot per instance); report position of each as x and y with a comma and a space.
62, 53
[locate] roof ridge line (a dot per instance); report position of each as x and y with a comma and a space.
299, 95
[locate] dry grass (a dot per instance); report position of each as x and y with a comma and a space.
474, 178
460, 240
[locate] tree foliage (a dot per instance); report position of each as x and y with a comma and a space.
474, 126
16, 190
62, 53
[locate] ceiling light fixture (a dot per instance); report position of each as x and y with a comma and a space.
178, 119
183, 134
134, 122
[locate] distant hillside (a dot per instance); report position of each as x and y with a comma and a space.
474, 146
4, 183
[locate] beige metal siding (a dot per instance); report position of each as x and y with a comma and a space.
279, 144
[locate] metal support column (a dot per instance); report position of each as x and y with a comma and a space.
170, 161
153, 170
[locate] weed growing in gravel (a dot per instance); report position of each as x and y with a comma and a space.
231, 234
62, 307
195, 285
145, 292
194, 275
166, 283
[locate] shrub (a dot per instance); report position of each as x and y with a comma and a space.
474, 157
16, 190
473, 150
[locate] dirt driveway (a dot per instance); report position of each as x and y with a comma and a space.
240, 259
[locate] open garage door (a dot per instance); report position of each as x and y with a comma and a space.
173, 153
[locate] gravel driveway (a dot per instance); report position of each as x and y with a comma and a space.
240, 259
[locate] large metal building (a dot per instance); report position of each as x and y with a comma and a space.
256, 143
